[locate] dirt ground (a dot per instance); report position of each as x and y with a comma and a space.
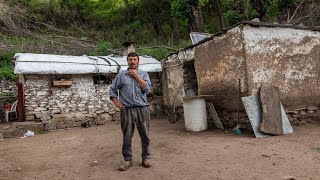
95, 153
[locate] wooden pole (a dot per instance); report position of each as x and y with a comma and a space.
21, 99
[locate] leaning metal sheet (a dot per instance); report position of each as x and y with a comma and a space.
287, 128
253, 107
252, 104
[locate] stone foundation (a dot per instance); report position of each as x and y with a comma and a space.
230, 119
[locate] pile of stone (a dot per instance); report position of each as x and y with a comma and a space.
305, 115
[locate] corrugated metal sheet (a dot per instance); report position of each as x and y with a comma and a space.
27, 63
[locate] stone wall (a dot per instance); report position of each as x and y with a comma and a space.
83, 103
9, 91
155, 97
8, 86
60, 107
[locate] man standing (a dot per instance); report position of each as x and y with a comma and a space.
133, 85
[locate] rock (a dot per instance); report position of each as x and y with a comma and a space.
60, 105
292, 112
68, 120
29, 125
256, 20
50, 126
103, 118
61, 125
42, 93
40, 109
312, 108
29, 118
302, 113
294, 121
11, 132
111, 112
296, 115
1, 136
116, 116
81, 105
90, 115
99, 112
311, 112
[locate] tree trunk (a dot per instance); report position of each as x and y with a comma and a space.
158, 28
176, 34
196, 19
128, 19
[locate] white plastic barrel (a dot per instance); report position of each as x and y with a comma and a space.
195, 113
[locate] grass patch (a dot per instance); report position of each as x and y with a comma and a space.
42, 132
316, 149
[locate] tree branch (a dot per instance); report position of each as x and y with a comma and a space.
295, 11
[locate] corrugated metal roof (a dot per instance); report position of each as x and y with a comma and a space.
27, 63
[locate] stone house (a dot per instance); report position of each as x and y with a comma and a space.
234, 63
67, 91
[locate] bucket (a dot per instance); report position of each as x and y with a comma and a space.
195, 113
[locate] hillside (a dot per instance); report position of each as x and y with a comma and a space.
97, 27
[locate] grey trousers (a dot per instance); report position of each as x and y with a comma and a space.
131, 117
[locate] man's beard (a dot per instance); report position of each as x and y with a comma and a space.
133, 66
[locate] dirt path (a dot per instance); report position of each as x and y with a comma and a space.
95, 153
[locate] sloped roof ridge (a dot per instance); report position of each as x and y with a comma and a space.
251, 23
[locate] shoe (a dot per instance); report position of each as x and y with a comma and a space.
125, 165
146, 163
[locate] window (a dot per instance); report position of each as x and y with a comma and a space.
101, 79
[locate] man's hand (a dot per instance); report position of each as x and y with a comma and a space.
133, 73
118, 104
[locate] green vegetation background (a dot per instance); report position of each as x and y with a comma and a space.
99, 27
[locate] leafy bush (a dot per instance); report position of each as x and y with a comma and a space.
157, 53
104, 49
6, 65
232, 17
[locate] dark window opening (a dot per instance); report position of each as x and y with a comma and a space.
190, 79
101, 79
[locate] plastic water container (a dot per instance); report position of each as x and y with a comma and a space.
195, 113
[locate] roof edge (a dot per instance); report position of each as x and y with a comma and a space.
246, 22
